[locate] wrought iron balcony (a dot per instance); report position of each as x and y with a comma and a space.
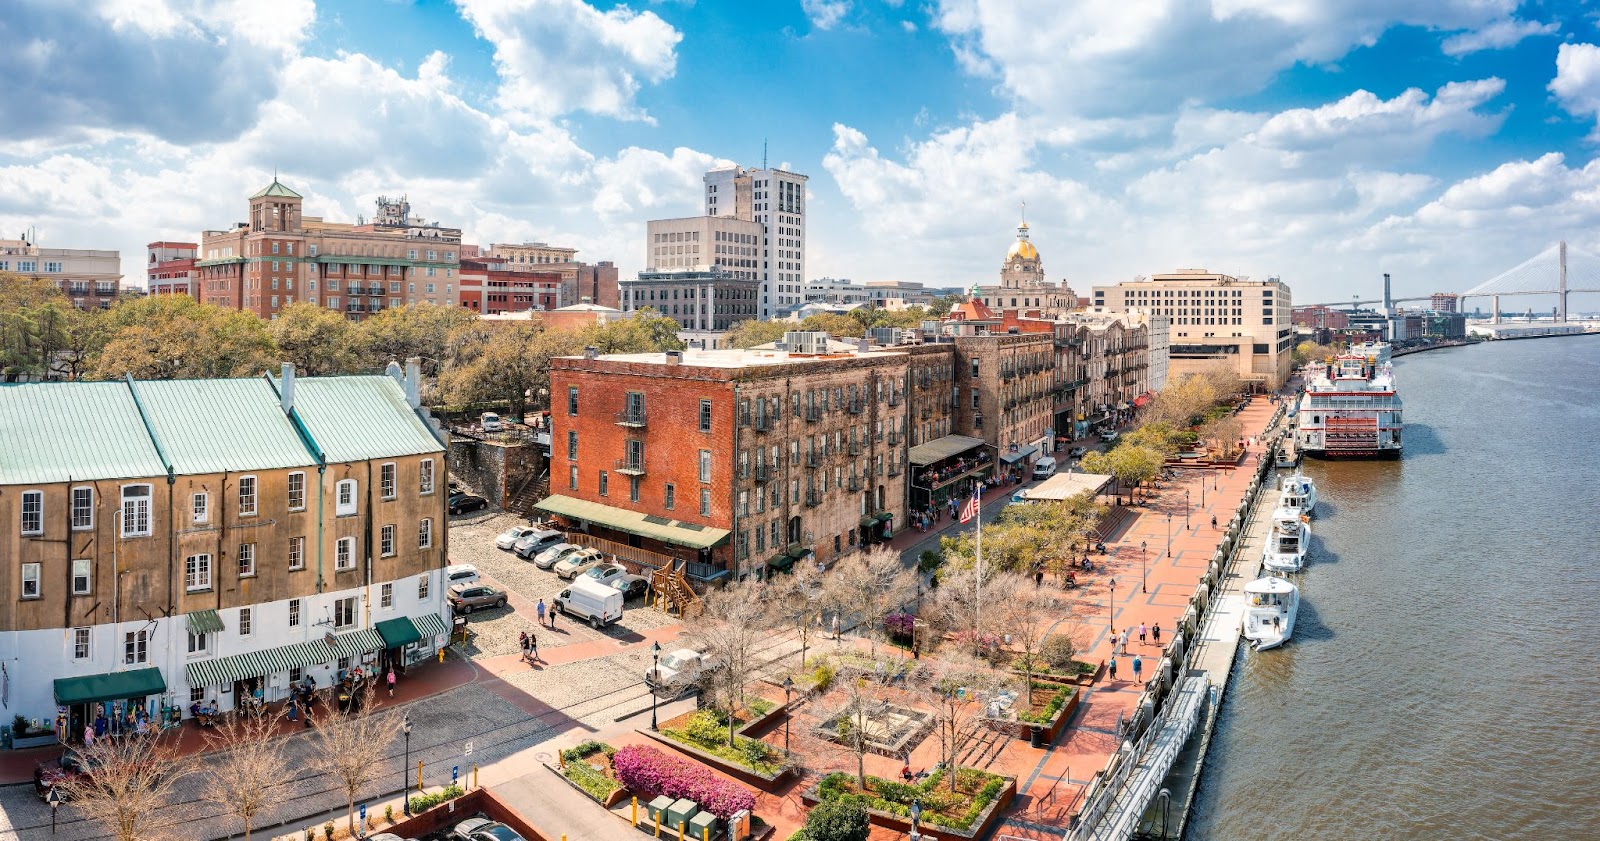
633, 416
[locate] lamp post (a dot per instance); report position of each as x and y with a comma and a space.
788, 687
655, 671
1111, 605
1169, 534
1144, 578
405, 787
55, 801
1185, 509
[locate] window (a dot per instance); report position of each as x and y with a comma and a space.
30, 581
425, 482
705, 502
247, 560
197, 573
344, 612
80, 643
200, 504
297, 553
246, 621
705, 465
422, 587
82, 576
633, 488
386, 541
33, 512
604, 484
386, 595
345, 498
572, 400
296, 674
297, 491
344, 554
386, 480
198, 643
135, 647
572, 445
705, 415
247, 496
572, 477
82, 508
294, 613
425, 534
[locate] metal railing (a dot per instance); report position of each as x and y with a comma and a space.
632, 416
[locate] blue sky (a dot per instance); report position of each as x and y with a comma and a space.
1323, 141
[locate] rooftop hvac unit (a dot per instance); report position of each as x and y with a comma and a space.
806, 342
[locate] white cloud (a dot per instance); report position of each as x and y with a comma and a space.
825, 14
558, 56
1496, 36
1577, 81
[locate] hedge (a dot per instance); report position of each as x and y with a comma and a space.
895, 798
644, 769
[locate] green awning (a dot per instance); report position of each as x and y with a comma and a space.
357, 643
116, 686
398, 632
1019, 455
223, 671
780, 562
430, 624
795, 550
675, 532
942, 448
885, 516
867, 521
204, 622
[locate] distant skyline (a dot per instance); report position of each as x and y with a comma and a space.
1321, 141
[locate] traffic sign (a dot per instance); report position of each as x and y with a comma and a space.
455, 773
363, 813
469, 748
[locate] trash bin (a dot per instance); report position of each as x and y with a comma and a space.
1036, 736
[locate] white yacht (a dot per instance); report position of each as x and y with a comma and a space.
1286, 543
1298, 491
1269, 611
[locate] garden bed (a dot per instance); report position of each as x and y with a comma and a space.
970, 812
703, 735
1081, 674
578, 770
1050, 705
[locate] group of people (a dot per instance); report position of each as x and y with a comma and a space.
134, 721
933, 476
530, 645
1120, 645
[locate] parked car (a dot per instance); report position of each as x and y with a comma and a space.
1078, 452
1044, 468
483, 829
465, 598
676, 669
632, 586
549, 557
490, 422
537, 542
464, 502
588, 600
509, 537
577, 564
67, 767
1110, 437
460, 574
606, 573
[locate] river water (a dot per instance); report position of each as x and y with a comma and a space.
1444, 676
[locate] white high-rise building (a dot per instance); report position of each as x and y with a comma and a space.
777, 199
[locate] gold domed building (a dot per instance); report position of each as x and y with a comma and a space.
1022, 267
1022, 284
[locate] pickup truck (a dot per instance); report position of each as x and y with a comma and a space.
677, 670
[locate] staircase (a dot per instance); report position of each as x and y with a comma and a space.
532, 489
673, 592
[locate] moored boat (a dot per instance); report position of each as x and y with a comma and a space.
1286, 542
1350, 408
1269, 613
1298, 491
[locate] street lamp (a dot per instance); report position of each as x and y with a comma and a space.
1185, 509
655, 671
55, 801
1144, 577
405, 787
788, 687
1169, 534
1111, 603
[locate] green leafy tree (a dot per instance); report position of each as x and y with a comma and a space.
838, 821
942, 305
838, 326
317, 340
423, 330
646, 332
32, 314
748, 334
165, 337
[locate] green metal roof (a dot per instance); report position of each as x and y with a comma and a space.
204, 621
115, 686
667, 531
398, 632
941, 448
277, 189
357, 418
56, 432
213, 426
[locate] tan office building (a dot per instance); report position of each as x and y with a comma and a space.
1215, 319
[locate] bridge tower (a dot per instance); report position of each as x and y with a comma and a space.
1561, 288
1496, 319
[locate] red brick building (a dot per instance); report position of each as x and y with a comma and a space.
170, 269
489, 286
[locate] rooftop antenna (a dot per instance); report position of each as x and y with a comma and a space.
1024, 210
763, 153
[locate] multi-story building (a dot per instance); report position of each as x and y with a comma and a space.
831, 290
161, 556
579, 281
1445, 302
281, 256
1215, 320
170, 269
777, 199
705, 302
490, 287
90, 278
1022, 282
705, 243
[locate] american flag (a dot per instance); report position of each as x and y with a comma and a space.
970, 510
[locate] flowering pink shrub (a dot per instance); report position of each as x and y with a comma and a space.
899, 625
644, 769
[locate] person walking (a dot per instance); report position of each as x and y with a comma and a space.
539, 609
1138, 666
533, 647
391, 680
1113, 666
1155, 631
292, 712
1142, 631
522, 644
1124, 639
1213, 521
552, 617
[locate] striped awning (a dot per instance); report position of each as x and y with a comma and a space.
204, 622
223, 671
430, 624
357, 643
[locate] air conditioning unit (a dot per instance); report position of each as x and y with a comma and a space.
810, 342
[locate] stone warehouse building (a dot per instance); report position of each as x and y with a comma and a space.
204, 539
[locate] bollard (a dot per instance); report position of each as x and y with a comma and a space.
636, 810
680, 830
441, 655
419, 776
658, 824
474, 776
561, 759
705, 833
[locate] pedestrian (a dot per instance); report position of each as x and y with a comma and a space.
1113, 666
540, 610
522, 645
836, 627
1138, 666
293, 711
552, 617
1124, 639
533, 647
391, 681
1038, 577
1213, 521
88, 736
1142, 631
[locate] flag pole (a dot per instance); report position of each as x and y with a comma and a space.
977, 603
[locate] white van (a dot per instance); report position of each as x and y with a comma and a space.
591, 600
1044, 468
490, 422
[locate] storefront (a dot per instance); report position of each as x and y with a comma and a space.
120, 697
409, 640
944, 468
231, 680
875, 528
1017, 459
784, 561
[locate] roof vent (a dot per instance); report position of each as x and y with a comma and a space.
591, 352
674, 357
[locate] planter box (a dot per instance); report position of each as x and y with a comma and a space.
39, 741
613, 798
986, 821
763, 724
766, 783
452, 812
1019, 729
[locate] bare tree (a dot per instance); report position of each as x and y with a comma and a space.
859, 691
967, 605
349, 746
246, 773
867, 585
124, 782
792, 601
733, 622
960, 689
1027, 614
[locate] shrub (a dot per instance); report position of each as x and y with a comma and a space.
756, 752
707, 727
929, 561
1057, 701
594, 783
645, 769
1058, 651
586, 749
388, 813
835, 821
19, 725
822, 677
327, 830
424, 802
937, 801
899, 625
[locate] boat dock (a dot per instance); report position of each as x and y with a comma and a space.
1215, 651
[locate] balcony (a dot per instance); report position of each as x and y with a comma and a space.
857, 406
764, 423
894, 439
632, 466
813, 414
895, 399
813, 498
764, 471
632, 417
855, 447
894, 470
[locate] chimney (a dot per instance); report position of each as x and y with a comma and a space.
863, 345
591, 352
286, 388
413, 381
674, 357
394, 373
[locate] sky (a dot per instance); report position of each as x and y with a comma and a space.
1324, 142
